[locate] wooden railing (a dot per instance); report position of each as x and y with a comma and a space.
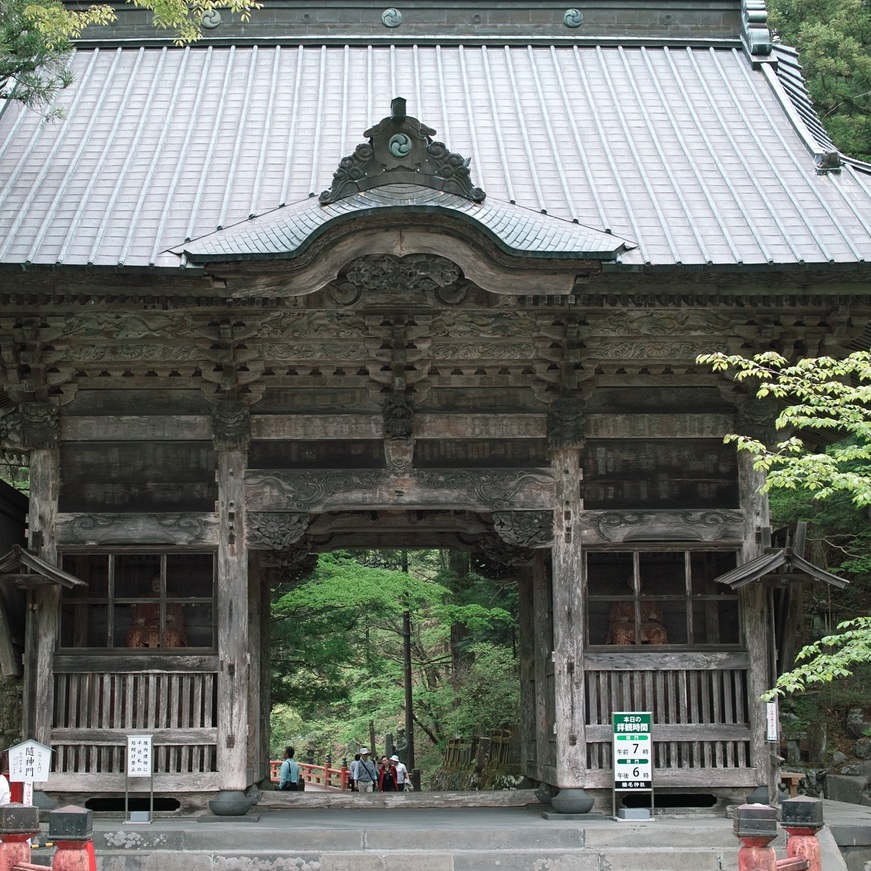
98, 701
322, 775
700, 708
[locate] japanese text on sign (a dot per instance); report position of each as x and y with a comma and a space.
139, 755
29, 762
633, 751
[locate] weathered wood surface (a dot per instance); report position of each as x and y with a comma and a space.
526, 608
681, 733
700, 778
568, 621
316, 426
543, 650
480, 426
720, 525
43, 617
459, 489
233, 624
119, 663
755, 602
666, 661
276, 800
90, 783
191, 529
149, 427
685, 425
118, 737
10, 664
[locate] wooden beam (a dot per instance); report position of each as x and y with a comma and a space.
380, 489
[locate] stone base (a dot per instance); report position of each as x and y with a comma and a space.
229, 818
550, 815
634, 813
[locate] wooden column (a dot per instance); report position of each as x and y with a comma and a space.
233, 625
568, 621
527, 673
756, 613
543, 641
264, 703
43, 603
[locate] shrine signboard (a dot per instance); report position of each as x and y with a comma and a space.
633, 754
29, 763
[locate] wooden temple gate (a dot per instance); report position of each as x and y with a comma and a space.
408, 361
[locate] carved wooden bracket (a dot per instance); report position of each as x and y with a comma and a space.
525, 529
275, 530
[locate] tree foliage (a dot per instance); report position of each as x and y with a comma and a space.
338, 651
834, 39
820, 394
828, 395
36, 39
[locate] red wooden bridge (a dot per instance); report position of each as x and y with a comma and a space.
319, 777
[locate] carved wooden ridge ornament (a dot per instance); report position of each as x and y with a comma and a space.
401, 150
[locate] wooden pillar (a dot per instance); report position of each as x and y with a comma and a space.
255, 668
568, 621
528, 756
264, 703
543, 642
233, 625
39, 427
756, 614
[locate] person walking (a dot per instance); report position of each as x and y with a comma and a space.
354, 766
367, 773
288, 774
400, 773
386, 778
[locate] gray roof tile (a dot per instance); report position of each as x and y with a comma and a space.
687, 152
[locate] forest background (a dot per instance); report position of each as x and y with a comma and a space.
338, 653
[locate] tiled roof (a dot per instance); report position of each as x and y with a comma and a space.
517, 231
686, 152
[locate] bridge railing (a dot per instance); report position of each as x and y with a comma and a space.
322, 775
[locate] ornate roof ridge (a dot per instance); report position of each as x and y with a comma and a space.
399, 148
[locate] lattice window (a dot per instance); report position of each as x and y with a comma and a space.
637, 598
155, 601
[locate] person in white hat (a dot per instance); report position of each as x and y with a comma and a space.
401, 773
367, 772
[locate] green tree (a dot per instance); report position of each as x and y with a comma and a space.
36, 39
337, 651
827, 395
834, 39
819, 394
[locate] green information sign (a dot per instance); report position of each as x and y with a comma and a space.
633, 751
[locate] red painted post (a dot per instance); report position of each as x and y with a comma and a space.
18, 823
71, 828
802, 817
343, 775
755, 826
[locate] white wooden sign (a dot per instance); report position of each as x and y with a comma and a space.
139, 755
772, 721
29, 762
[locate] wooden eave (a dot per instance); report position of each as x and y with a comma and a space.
774, 560
41, 572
